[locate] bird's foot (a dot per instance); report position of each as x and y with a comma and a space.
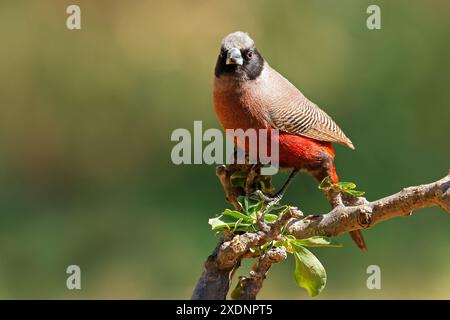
276, 198
270, 199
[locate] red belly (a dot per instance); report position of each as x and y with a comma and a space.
294, 151
302, 152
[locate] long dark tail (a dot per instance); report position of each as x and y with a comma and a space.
358, 238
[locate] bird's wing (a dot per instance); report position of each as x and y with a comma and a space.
307, 119
294, 113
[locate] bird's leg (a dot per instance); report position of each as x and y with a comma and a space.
274, 199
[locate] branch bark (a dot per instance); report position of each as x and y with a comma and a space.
249, 286
361, 214
344, 219
214, 282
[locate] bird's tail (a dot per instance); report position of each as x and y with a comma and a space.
358, 238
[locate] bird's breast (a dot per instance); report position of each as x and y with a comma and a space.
238, 106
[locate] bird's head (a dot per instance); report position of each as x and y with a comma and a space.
239, 57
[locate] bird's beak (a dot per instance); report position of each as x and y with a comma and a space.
234, 56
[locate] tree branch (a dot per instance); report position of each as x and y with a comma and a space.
249, 286
358, 214
345, 219
215, 280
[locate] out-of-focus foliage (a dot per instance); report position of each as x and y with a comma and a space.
86, 118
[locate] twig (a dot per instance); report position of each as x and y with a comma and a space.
249, 286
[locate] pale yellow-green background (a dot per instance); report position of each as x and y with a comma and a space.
86, 118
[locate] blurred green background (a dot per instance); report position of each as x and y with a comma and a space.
86, 118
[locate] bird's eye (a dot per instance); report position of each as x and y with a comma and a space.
249, 55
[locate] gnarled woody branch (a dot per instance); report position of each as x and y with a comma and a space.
215, 279
345, 219
250, 286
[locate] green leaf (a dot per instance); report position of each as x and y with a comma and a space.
346, 185
241, 201
278, 243
309, 272
268, 217
249, 206
217, 223
355, 193
316, 242
278, 209
254, 208
224, 222
326, 184
264, 247
268, 245
237, 215
246, 204
349, 188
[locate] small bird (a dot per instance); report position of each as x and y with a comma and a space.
249, 94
